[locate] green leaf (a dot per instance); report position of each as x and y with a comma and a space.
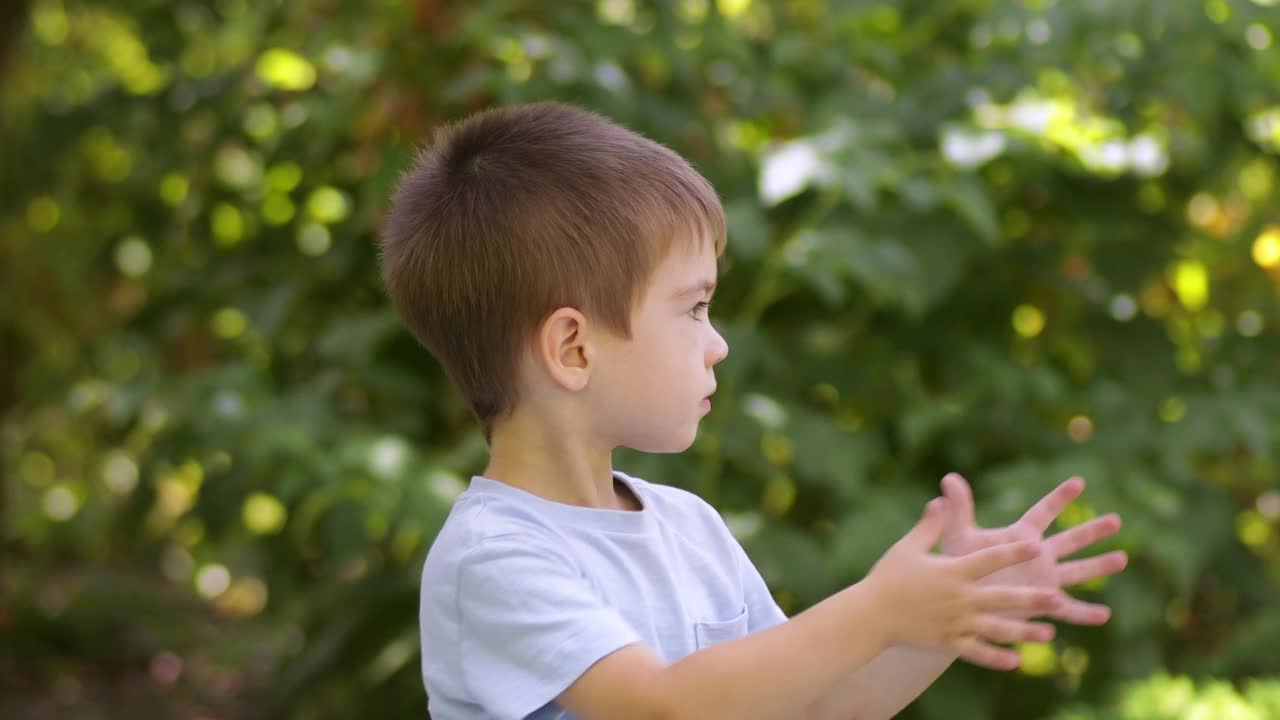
970, 200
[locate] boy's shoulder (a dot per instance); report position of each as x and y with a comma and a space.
488, 512
480, 517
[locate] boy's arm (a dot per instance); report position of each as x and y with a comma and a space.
883, 687
762, 676
899, 675
910, 597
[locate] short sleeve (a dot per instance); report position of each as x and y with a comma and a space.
529, 624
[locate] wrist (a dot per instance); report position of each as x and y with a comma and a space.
872, 610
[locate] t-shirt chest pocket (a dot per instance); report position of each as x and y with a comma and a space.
709, 632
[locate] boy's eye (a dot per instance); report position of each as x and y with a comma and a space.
700, 308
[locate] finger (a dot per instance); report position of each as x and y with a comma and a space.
1073, 540
986, 655
959, 503
1006, 631
1078, 571
1077, 612
1048, 508
1033, 601
983, 562
928, 529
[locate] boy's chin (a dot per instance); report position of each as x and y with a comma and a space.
664, 444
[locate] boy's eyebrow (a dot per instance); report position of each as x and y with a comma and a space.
702, 286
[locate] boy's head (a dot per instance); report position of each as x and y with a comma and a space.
538, 252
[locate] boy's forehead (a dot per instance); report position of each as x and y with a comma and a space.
695, 287
687, 272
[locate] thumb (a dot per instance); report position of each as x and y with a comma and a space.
928, 530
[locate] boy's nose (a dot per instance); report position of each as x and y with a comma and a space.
718, 348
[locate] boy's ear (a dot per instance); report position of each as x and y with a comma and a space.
563, 348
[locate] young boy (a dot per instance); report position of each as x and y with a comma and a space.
560, 268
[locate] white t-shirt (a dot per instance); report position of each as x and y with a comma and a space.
520, 594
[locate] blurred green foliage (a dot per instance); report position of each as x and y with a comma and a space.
1018, 239
1177, 698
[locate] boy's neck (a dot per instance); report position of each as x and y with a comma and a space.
559, 464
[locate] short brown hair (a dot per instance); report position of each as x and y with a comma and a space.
517, 211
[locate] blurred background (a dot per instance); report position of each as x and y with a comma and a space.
1021, 240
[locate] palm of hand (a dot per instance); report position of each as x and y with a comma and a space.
962, 536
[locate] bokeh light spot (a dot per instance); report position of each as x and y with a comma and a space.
227, 224
1258, 36
49, 19
616, 12
779, 495
313, 239
166, 667
263, 514
1266, 248
776, 448
1217, 10
173, 188
119, 472
60, 504
43, 214
1172, 409
1028, 321
277, 209
133, 256
229, 323
212, 580
1080, 428
1256, 179
261, 121
236, 167
1123, 307
246, 597
387, 457
732, 8
1252, 528
327, 204
1249, 323
1268, 504
284, 176
1038, 659
1202, 209
285, 69
1190, 280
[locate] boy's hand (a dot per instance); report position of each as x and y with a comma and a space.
962, 536
938, 602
